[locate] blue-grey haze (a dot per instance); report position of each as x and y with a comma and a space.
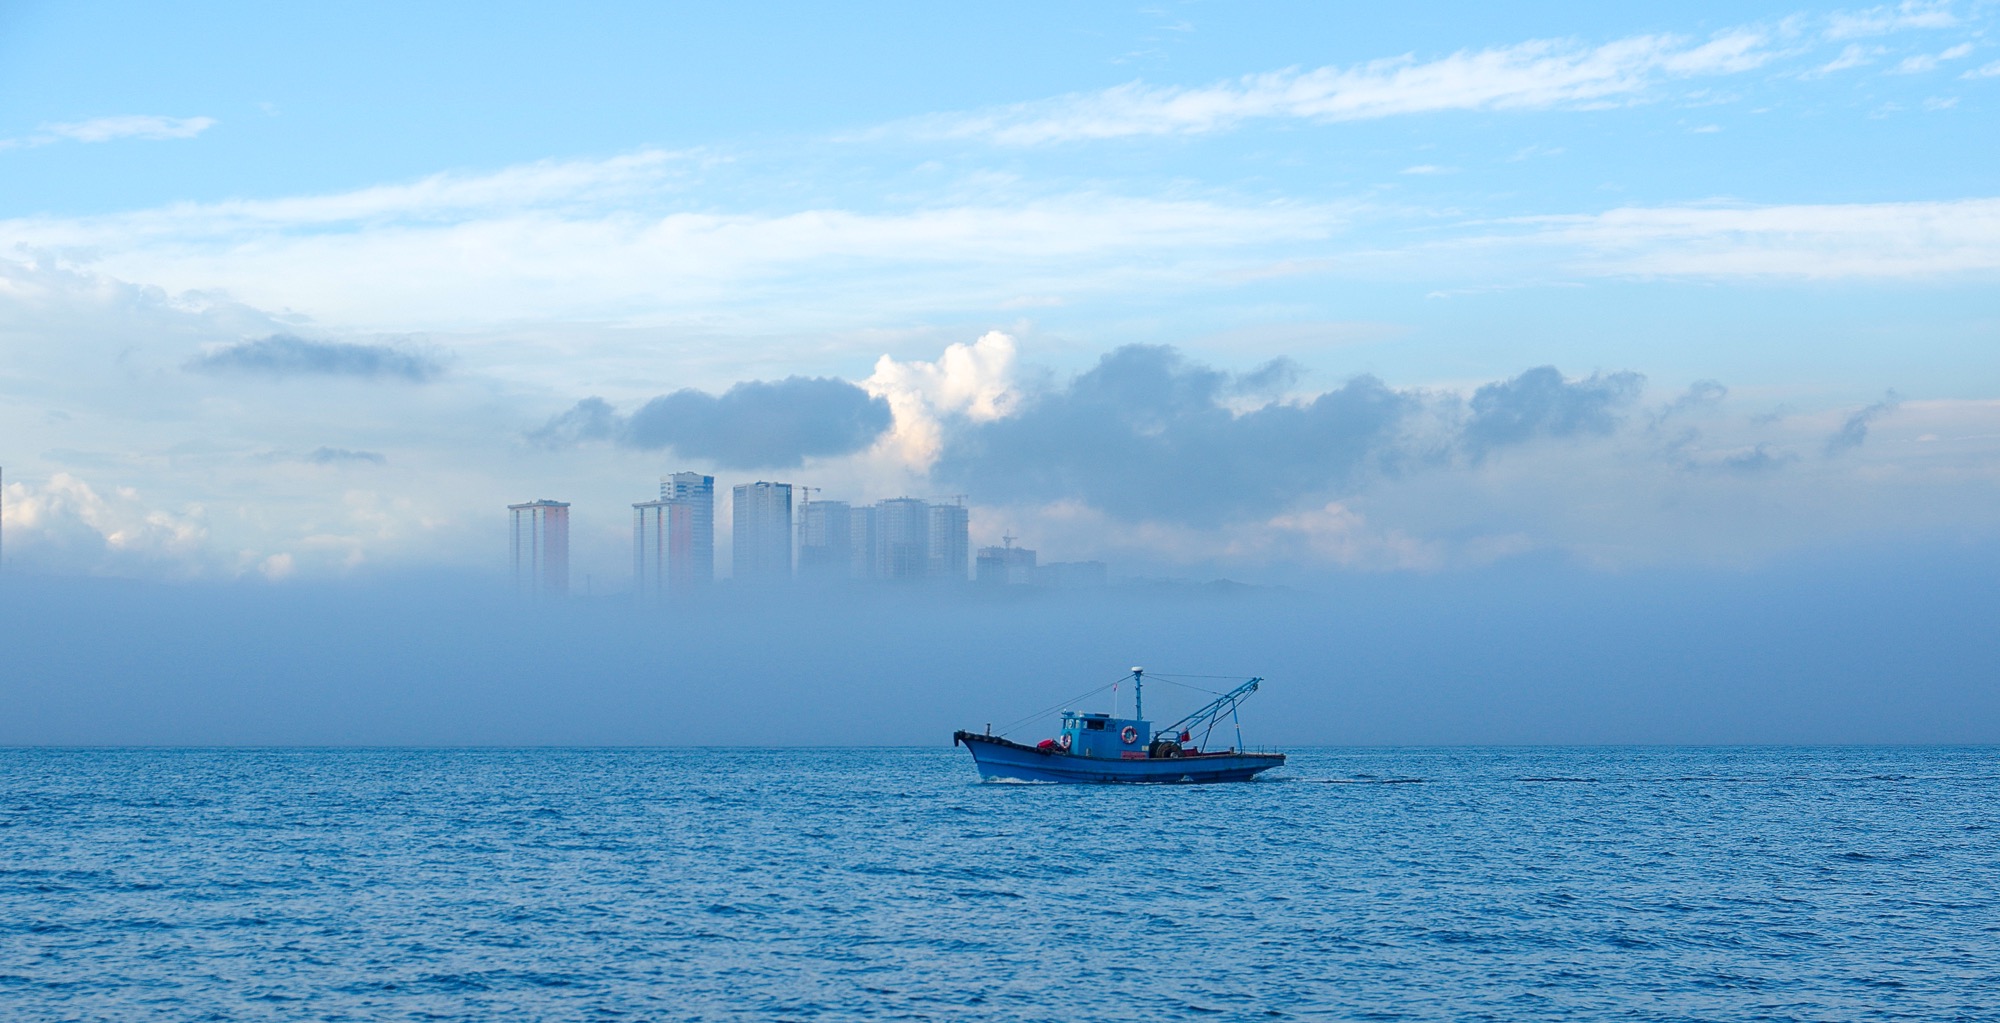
1885, 645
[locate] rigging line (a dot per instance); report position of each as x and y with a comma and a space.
1072, 701
1175, 675
1184, 685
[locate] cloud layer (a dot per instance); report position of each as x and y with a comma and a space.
282, 355
578, 241
1531, 75
1147, 434
111, 129
1542, 403
756, 424
137, 126
1829, 241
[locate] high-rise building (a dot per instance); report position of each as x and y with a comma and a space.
950, 542
861, 542
762, 520
1005, 566
690, 553
826, 540
662, 534
902, 539
541, 547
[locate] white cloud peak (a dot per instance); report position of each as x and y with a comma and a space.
975, 381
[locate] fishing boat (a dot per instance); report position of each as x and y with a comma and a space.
1106, 749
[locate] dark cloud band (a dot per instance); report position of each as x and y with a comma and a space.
1148, 435
757, 424
282, 355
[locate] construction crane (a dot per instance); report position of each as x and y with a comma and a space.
806, 497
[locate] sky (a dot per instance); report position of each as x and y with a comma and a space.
1694, 299
311, 293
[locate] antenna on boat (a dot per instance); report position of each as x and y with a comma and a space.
1139, 693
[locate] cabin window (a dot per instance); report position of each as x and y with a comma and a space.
1095, 726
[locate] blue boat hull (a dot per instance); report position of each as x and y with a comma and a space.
1001, 760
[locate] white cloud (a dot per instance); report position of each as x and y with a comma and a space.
93, 388
1532, 75
65, 525
1875, 21
1984, 71
439, 198
576, 241
132, 126
975, 381
1852, 56
1924, 62
1813, 241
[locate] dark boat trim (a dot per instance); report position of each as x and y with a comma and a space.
1055, 765
962, 736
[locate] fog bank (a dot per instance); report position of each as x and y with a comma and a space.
1893, 646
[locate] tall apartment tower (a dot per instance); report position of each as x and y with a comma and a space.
861, 542
950, 542
690, 554
762, 518
902, 539
826, 541
662, 536
541, 547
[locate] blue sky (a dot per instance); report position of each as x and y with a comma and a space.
1758, 243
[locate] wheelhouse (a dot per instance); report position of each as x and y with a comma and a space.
1104, 737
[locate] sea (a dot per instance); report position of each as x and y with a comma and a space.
1659, 883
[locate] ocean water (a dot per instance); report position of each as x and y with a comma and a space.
1356, 884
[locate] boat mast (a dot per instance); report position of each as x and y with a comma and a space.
1139, 693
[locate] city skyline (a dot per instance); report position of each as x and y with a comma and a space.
822, 541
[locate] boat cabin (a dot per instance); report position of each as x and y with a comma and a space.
1104, 737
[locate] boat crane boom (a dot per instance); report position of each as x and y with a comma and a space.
1224, 704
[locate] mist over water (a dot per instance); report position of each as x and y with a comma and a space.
1887, 647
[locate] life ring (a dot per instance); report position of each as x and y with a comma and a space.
1064, 742
1130, 735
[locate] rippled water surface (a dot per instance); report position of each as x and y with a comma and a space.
1505, 884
